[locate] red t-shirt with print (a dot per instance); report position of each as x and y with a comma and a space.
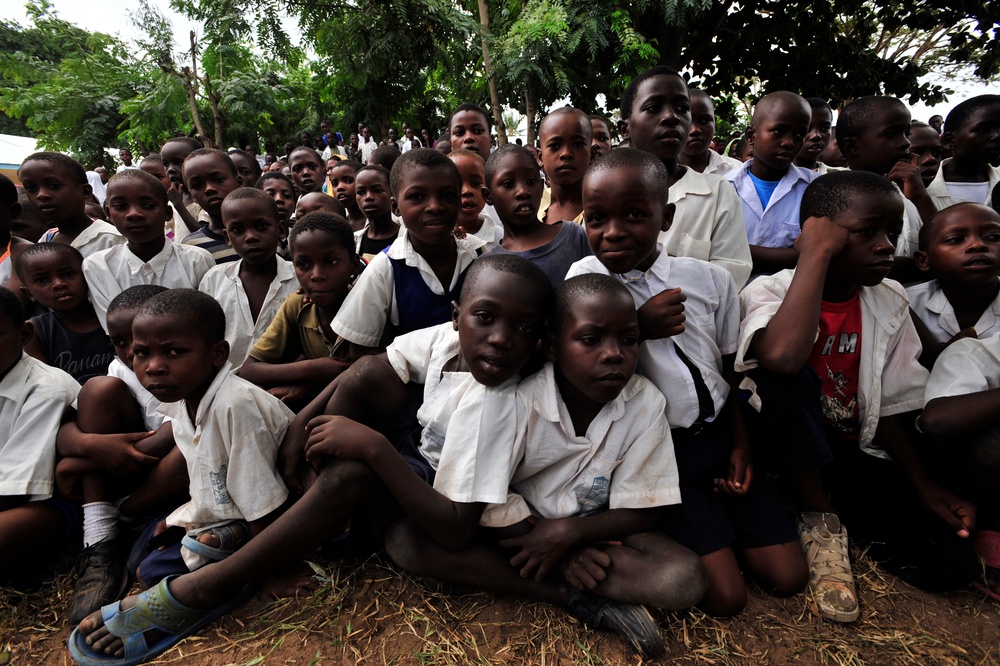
836, 358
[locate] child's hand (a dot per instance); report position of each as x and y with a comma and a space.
290, 394
338, 437
907, 176
952, 509
662, 316
542, 547
175, 194
118, 454
821, 235
740, 473
586, 568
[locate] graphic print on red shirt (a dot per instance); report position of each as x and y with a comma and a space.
836, 358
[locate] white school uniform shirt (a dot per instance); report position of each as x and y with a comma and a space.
624, 461
152, 419
928, 301
230, 450
33, 397
491, 232
965, 366
890, 379
223, 283
372, 302
98, 236
711, 329
708, 224
943, 197
776, 225
909, 240
114, 270
720, 165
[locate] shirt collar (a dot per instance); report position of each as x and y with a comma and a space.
12, 385
691, 182
548, 400
155, 265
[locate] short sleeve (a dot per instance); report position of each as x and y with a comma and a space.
730, 248
281, 343
960, 370
647, 476
365, 311
904, 380
410, 354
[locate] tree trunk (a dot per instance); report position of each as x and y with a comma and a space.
191, 82
530, 109
484, 22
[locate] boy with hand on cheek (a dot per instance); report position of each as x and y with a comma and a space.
925, 142
210, 176
174, 152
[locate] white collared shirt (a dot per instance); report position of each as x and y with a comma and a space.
711, 329
708, 224
938, 189
890, 379
624, 461
114, 270
928, 301
98, 236
223, 283
966, 366
152, 419
720, 165
372, 302
909, 240
33, 397
776, 225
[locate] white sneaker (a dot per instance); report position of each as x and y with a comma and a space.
831, 583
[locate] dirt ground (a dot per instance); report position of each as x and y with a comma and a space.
368, 613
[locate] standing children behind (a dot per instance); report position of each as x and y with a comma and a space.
413, 283
69, 336
306, 170
515, 189
471, 219
972, 133
925, 142
316, 202
818, 138
601, 143
182, 220
566, 136
371, 188
57, 186
342, 181
247, 166
210, 176
252, 289
769, 184
697, 153
657, 112
138, 206
10, 245
174, 152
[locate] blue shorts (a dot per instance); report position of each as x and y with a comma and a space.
148, 564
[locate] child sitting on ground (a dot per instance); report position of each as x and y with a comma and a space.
252, 289
57, 186
769, 184
298, 354
697, 153
833, 359
818, 138
687, 353
138, 206
514, 190
371, 187
413, 283
33, 399
565, 135
960, 247
69, 336
970, 132
471, 219
210, 176
342, 178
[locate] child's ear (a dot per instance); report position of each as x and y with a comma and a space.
920, 259
749, 135
87, 190
548, 345
849, 147
220, 353
623, 128
24, 290
14, 210
948, 141
395, 207
486, 196
454, 314
668, 216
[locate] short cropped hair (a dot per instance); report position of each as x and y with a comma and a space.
274, 175
465, 152
189, 305
250, 193
21, 263
250, 158
961, 113
384, 156
568, 111
74, 168
133, 297
8, 191
861, 114
569, 292
335, 225
509, 264
469, 106
193, 144
319, 158
154, 183
499, 155
633, 158
628, 97
353, 165
833, 194
221, 154
819, 103
11, 308
924, 235
421, 157
377, 168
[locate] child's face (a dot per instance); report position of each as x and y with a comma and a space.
499, 324
209, 180
874, 223
429, 200
926, 143
596, 349
470, 130
174, 154
307, 171
94, 211
777, 138
55, 279
316, 201
516, 191
283, 195
372, 193
120, 332
882, 144
473, 172
252, 229
566, 142
979, 137
661, 117
625, 215
248, 169
324, 268
342, 180
137, 211
818, 138
331, 164
154, 168
172, 359
964, 246
54, 191
601, 143
702, 126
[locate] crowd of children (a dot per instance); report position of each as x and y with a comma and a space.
603, 378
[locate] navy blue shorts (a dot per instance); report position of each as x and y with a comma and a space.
72, 515
148, 563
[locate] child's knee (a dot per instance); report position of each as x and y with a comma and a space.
404, 545
103, 392
725, 600
682, 578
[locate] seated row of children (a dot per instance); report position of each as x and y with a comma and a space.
683, 331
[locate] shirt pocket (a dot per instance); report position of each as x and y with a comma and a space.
594, 488
695, 248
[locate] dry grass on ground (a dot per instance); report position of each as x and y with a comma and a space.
368, 613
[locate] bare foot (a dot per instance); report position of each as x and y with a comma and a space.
212, 540
299, 580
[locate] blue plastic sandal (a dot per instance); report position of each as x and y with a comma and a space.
156, 608
229, 535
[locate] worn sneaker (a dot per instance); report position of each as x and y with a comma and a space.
831, 583
630, 621
101, 579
